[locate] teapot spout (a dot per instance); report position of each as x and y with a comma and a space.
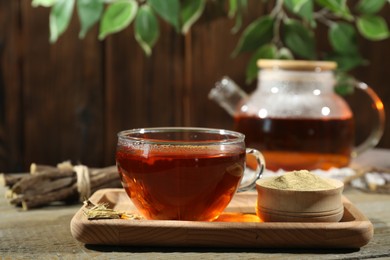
227, 94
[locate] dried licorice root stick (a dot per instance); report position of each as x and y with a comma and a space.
7, 180
39, 200
371, 179
46, 184
43, 182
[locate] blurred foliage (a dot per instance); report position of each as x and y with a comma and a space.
286, 32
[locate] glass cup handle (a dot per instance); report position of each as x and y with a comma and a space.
377, 131
255, 165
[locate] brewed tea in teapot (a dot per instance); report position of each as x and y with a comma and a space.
294, 116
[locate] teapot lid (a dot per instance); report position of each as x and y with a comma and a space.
302, 65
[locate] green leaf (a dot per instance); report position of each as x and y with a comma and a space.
303, 8
306, 11
169, 10
299, 39
345, 84
89, 12
243, 4
342, 37
338, 7
44, 3
238, 23
240, 6
346, 62
190, 12
268, 51
295, 5
284, 54
233, 6
147, 29
60, 16
370, 6
373, 27
255, 35
117, 17
332, 5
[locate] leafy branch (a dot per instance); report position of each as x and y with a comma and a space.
117, 15
286, 32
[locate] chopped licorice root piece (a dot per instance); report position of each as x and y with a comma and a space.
101, 211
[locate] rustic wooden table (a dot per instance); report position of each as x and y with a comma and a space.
45, 233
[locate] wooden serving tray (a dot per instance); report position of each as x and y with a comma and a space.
237, 227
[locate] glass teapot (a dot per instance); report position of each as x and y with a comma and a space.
294, 116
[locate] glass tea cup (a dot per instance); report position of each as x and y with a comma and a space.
181, 173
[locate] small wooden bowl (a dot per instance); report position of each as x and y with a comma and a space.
280, 205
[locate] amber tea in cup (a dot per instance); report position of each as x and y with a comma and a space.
183, 173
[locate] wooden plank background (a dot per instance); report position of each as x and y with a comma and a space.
67, 101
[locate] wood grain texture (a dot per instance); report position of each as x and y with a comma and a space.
11, 114
62, 92
141, 91
375, 74
353, 231
68, 100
